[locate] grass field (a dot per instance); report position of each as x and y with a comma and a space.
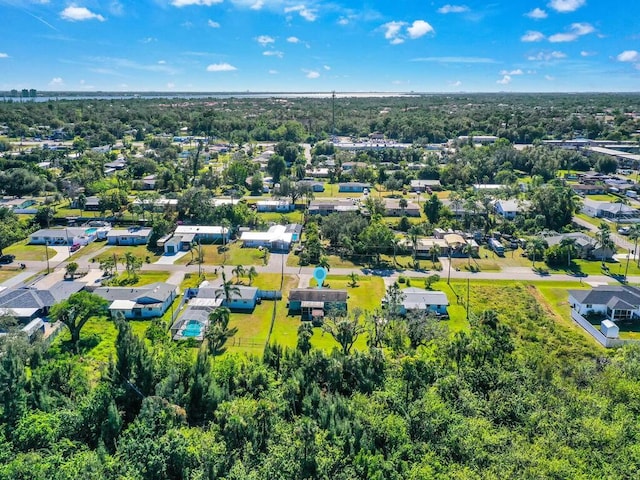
140, 251
24, 252
235, 255
253, 328
7, 274
88, 250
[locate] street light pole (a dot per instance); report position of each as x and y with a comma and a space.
46, 252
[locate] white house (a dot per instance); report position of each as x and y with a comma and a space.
615, 302
421, 300
618, 212
508, 209
282, 205
130, 236
243, 299
204, 233
64, 236
393, 209
139, 302
278, 237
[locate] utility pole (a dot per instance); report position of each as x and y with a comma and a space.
626, 269
468, 292
449, 274
46, 252
333, 115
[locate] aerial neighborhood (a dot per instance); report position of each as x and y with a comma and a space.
274, 228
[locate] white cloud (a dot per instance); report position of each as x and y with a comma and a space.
392, 29
186, 3
628, 56
549, 78
149, 40
171, 85
311, 73
213, 24
4, 55
505, 80
575, 30
532, 36
546, 56
564, 6
537, 14
221, 67
419, 28
116, 8
326, 67
74, 13
265, 40
56, 82
293, 40
454, 59
512, 72
303, 11
453, 9
273, 72
585, 53
343, 21
273, 53
162, 62
457, 83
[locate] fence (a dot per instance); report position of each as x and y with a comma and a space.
270, 294
597, 334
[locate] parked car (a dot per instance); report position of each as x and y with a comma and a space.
624, 230
5, 259
75, 247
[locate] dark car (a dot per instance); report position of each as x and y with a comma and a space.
74, 247
4, 259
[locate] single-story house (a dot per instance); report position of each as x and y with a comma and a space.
314, 303
118, 164
139, 302
424, 185
244, 299
277, 238
64, 236
488, 186
313, 185
219, 202
421, 300
20, 205
130, 236
508, 209
425, 247
149, 182
282, 205
586, 246
481, 139
27, 304
355, 187
204, 233
159, 204
321, 172
583, 189
457, 244
616, 302
326, 207
91, 204
393, 209
171, 245
618, 212
31, 329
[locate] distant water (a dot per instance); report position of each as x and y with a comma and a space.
199, 96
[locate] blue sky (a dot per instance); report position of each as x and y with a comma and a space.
318, 45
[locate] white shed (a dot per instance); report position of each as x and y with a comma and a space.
609, 329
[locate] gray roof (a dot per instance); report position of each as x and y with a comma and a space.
609, 295
317, 295
244, 292
418, 298
293, 228
157, 291
57, 232
581, 239
32, 298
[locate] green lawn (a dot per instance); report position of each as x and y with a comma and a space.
593, 221
7, 274
88, 250
291, 217
24, 252
140, 251
253, 328
235, 255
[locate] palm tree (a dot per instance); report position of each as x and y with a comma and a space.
403, 204
570, 244
535, 249
324, 263
634, 234
412, 234
251, 274
218, 331
468, 249
435, 252
238, 272
603, 237
228, 290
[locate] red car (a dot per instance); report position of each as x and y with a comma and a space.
75, 247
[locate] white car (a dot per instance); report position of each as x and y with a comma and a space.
624, 230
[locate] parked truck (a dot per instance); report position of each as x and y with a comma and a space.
496, 246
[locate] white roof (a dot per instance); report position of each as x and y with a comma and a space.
18, 312
273, 202
206, 229
205, 302
122, 305
277, 233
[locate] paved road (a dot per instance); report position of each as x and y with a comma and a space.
619, 240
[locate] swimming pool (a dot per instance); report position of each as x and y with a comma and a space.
90, 231
192, 329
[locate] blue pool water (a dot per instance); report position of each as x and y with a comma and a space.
193, 329
91, 231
